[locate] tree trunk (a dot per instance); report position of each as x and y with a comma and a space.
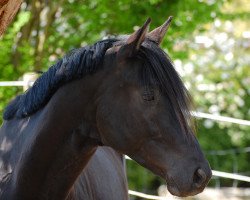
8, 9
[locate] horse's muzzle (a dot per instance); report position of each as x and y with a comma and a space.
201, 178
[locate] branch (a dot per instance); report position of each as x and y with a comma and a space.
8, 9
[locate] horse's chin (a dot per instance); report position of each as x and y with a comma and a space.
174, 190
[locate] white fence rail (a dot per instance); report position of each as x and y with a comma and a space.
145, 196
231, 176
221, 118
14, 83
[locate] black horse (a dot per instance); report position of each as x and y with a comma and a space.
122, 93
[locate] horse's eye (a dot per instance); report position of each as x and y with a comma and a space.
148, 95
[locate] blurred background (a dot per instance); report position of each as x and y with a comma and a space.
208, 41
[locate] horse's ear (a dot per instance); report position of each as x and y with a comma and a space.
134, 41
158, 34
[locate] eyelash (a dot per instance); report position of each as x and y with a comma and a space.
148, 95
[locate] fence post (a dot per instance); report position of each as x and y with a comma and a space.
29, 78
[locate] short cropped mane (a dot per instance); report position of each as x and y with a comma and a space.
75, 65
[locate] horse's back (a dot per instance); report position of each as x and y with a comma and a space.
8, 137
15, 134
9, 142
12, 138
104, 178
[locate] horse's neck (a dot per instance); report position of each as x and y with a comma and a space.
59, 148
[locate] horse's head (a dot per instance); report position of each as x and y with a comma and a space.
143, 111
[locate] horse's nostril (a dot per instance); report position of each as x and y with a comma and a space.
199, 177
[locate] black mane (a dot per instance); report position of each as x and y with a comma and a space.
75, 65
157, 70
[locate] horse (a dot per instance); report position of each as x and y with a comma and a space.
65, 137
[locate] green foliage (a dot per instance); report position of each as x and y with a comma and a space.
7, 71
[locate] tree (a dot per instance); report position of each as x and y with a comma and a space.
8, 9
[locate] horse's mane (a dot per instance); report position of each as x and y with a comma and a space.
75, 65
157, 70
